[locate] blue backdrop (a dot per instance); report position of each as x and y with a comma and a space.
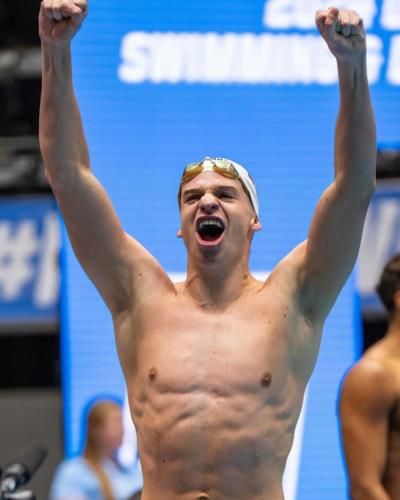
29, 261
164, 83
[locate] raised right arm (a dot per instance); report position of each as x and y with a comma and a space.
117, 264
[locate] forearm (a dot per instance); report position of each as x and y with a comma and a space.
355, 139
62, 139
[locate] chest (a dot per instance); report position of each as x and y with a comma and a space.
245, 350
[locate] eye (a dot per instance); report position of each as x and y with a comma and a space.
226, 195
192, 198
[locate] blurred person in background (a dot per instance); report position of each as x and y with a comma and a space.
97, 474
370, 405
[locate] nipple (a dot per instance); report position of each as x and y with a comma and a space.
152, 374
266, 379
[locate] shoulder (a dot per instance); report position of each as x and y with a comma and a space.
284, 282
72, 475
286, 272
370, 383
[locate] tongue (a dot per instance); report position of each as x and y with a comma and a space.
209, 237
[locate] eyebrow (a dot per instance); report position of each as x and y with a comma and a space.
218, 188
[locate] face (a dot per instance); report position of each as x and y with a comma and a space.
110, 433
216, 215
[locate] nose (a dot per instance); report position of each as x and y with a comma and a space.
208, 203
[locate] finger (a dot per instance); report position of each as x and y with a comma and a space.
345, 29
320, 20
345, 23
356, 23
70, 7
47, 9
56, 8
355, 29
82, 4
331, 20
57, 14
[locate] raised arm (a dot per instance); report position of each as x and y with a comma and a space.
116, 263
365, 404
329, 254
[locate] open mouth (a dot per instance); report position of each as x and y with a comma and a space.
210, 229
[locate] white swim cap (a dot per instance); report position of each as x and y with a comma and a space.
208, 166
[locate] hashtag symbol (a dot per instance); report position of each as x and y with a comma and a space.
16, 250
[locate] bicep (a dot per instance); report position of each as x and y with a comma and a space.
332, 246
108, 255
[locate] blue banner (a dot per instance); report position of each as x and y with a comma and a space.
29, 260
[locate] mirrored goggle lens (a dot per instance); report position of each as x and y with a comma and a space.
219, 165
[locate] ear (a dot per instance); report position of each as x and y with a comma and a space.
256, 225
179, 233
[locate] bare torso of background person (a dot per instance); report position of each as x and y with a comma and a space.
378, 372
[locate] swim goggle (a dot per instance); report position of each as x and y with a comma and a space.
226, 168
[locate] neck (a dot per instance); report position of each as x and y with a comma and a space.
394, 325
215, 286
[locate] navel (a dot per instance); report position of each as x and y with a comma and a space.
152, 374
266, 379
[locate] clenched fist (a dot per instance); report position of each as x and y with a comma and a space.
59, 20
343, 31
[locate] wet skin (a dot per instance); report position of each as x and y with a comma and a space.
215, 395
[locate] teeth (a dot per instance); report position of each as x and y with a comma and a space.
211, 222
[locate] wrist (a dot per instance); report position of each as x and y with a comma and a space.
56, 60
54, 45
356, 61
353, 70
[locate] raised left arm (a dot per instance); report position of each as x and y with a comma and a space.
329, 254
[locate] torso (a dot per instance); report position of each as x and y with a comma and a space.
388, 353
392, 476
215, 395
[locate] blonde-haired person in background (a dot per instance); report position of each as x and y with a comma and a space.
96, 474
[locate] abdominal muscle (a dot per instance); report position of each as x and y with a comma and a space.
212, 443
214, 398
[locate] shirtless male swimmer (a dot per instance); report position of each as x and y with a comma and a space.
216, 367
370, 406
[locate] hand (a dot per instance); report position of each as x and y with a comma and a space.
59, 20
343, 31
